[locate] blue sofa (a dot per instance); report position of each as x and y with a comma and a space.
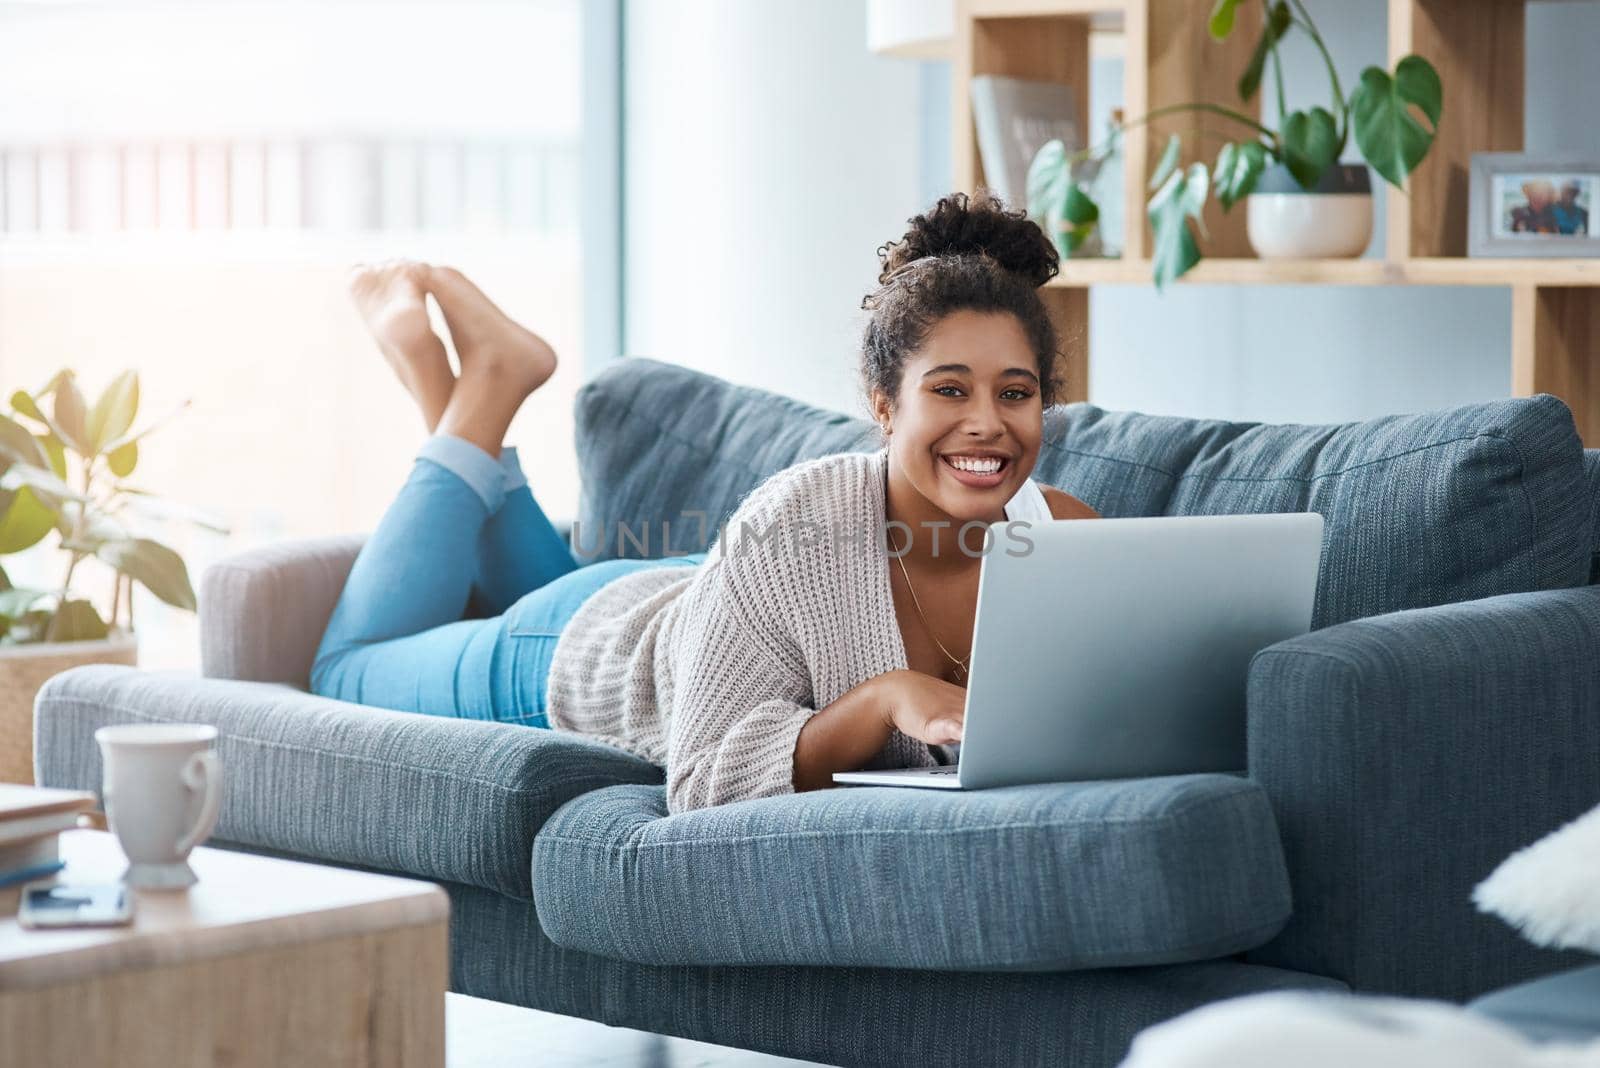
1444, 711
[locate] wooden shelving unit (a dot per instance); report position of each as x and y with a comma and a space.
1477, 47
1429, 271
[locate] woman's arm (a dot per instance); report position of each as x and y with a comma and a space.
842, 737
741, 690
852, 730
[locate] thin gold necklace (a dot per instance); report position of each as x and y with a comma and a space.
961, 665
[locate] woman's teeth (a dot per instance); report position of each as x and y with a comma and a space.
985, 466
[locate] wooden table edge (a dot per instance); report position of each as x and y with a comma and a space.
406, 902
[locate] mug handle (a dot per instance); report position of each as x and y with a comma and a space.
203, 769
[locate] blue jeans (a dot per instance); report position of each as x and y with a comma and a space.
464, 537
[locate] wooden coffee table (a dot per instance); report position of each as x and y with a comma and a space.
262, 962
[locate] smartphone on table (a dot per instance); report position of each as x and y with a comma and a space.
52, 905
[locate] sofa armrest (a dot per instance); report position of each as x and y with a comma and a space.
262, 612
1405, 756
441, 798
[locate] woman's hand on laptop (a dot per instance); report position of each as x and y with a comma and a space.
850, 731
923, 707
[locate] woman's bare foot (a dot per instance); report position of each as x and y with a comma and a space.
391, 297
487, 340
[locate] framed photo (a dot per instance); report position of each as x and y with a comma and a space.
1531, 205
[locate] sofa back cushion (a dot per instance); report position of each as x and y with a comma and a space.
1420, 509
665, 454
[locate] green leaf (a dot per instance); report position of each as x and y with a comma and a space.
1048, 177
1082, 213
1239, 166
159, 568
1221, 22
97, 530
1388, 134
56, 451
123, 459
1310, 144
24, 520
15, 603
76, 621
31, 405
22, 402
51, 489
139, 434
72, 415
50, 387
1278, 20
1197, 183
5, 580
1080, 208
1168, 162
17, 444
1055, 200
113, 413
1175, 250
1417, 82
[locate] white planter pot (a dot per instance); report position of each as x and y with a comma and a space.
1332, 221
23, 669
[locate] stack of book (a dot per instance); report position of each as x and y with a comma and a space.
31, 821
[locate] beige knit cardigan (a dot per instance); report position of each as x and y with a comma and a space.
713, 669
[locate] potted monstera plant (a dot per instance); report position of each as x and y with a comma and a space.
65, 468
1301, 201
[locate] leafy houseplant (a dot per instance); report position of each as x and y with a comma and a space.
67, 472
1379, 112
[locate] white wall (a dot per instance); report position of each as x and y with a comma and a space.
767, 155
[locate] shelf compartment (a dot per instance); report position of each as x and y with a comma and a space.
1007, 37
1478, 49
1555, 336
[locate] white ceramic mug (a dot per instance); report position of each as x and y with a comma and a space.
162, 791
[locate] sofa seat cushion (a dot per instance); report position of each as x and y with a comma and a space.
1051, 877
433, 796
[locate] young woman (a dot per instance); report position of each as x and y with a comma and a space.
780, 656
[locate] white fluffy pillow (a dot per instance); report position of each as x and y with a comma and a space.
1297, 1029
1551, 889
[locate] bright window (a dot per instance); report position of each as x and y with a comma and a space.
182, 190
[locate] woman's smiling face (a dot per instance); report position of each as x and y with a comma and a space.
966, 425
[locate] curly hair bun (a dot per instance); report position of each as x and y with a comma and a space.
959, 225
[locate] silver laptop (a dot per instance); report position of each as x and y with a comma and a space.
1119, 647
